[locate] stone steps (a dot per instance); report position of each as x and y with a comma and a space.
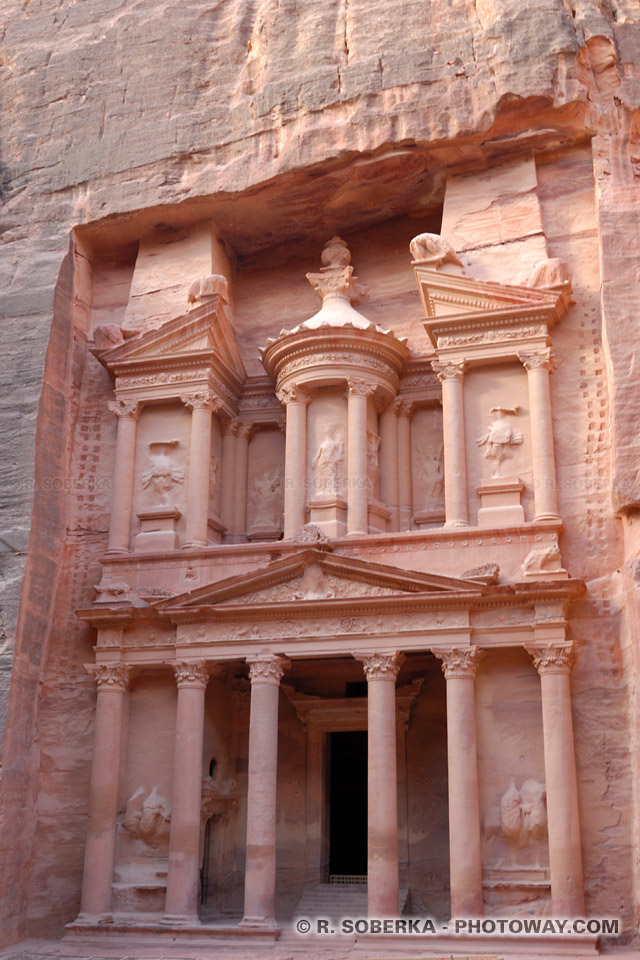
334, 901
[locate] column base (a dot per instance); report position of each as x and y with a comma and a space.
357, 533
259, 923
175, 919
547, 516
457, 523
117, 552
195, 544
99, 918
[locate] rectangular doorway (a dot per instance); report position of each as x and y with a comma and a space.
348, 803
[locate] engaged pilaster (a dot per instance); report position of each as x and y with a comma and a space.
405, 497
553, 662
265, 673
451, 375
381, 671
112, 680
127, 413
184, 839
243, 435
389, 479
201, 405
539, 365
295, 400
229, 429
459, 666
357, 467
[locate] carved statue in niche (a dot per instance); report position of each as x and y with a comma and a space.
373, 442
433, 250
148, 818
326, 465
520, 820
267, 500
162, 473
500, 436
431, 469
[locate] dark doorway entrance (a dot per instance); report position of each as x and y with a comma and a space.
348, 803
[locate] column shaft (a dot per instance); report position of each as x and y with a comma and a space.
382, 861
260, 872
465, 850
201, 406
127, 412
241, 478
389, 480
184, 839
404, 467
455, 453
103, 793
357, 468
538, 368
295, 461
565, 854
228, 474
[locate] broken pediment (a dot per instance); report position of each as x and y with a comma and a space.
315, 575
201, 337
461, 310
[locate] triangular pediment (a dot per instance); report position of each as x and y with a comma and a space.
450, 299
201, 334
314, 576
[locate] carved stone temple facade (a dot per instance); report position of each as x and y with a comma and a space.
321, 472
364, 538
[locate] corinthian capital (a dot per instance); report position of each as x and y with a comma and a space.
552, 657
201, 400
381, 666
459, 661
538, 360
449, 369
110, 676
267, 668
360, 388
191, 673
293, 393
125, 409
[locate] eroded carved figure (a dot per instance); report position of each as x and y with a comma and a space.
431, 473
162, 473
523, 812
433, 250
267, 500
326, 465
541, 558
373, 442
148, 818
500, 436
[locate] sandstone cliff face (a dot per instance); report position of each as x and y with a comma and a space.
169, 111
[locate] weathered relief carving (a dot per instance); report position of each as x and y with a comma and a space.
267, 500
433, 250
523, 812
544, 558
162, 474
373, 443
550, 273
327, 465
315, 585
500, 437
148, 817
430, 475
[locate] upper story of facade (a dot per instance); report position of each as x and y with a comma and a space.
341, 425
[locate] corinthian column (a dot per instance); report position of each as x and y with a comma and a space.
357, 467
459, 666
112, 680
404, 465
295, 400
202, 405
553, 663
184, 839
389, 482
381, 671
241, 477
265, 674
228, 474
127, 412
538, 366
451, 375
